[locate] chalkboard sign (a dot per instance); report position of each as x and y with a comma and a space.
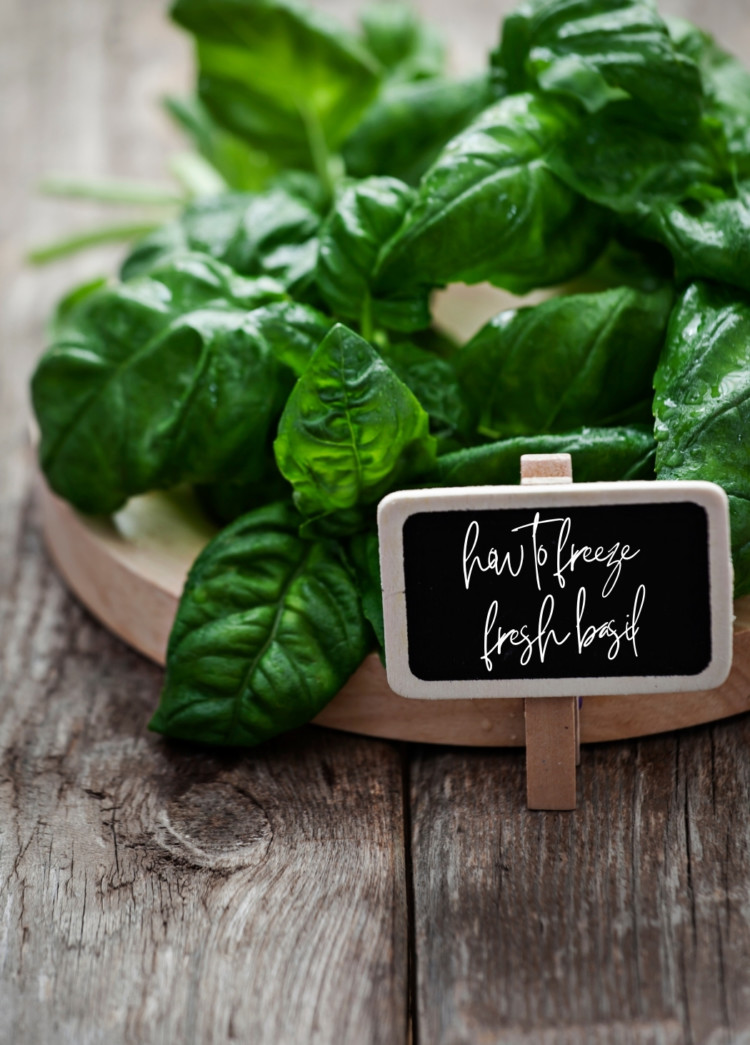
556, 591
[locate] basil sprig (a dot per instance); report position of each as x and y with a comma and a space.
273, 345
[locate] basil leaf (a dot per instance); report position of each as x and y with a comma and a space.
406, 47
207, 226
339, 524
270, 220
226, 501
702, 404
279, 75
435, 384
629, 169
708, 240
364, 552
239, 165
631, 261
271, 233
69, 305
489, 209
599, 52
599, 455
403, 131
268, 629
292, 331
154, 249
366, 214
582, 359
726, 85
350, 430
158, 381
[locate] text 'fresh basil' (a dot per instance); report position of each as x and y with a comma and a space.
597, 588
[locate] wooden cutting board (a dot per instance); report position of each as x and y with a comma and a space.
129, 571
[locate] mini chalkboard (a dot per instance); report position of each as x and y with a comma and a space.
589, 588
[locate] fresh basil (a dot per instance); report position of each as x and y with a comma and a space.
726, 85
276, 236
268, 629
598, 454
702, 404
434, 382
629, 169
292, 331
366, 215
407, 48
240, 166
581, 359
351, 430
279, 75
490, 209
707, 240
403, 131
226, 501
161, 380
343, 177
601, 52
364, 551
270, 233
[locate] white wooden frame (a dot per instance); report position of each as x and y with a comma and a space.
396, 508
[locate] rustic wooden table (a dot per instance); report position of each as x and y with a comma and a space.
326, 888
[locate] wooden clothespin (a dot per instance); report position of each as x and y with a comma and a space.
552, 723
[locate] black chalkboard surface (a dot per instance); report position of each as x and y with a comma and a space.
590, 588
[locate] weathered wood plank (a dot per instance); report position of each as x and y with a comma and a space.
148, 892
156, 893
628, 920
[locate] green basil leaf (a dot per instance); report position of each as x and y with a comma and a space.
435, 384
64, 315
195, 281
207, 225
489, 209
226, 501
364, 552
405, 47
629, 169
631, 261
271, 233
268, 629
365, 216
339, 524
158, 381
708, 240
403, 131
276, 236
239, 165
280, 75
581, 359
599, 455
350, 431
702, 404
726, 86
599, 52
293, 332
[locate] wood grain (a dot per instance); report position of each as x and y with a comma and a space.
154, 892
626, 921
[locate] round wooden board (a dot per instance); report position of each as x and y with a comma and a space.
129, 571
